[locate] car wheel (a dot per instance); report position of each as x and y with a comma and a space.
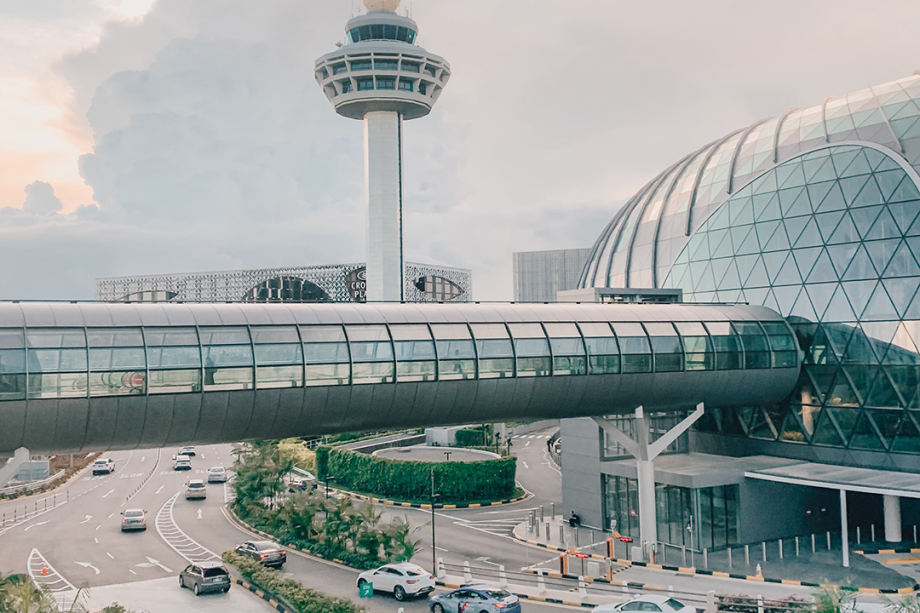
437, 608
197, 590
181, 582
226, 589
361, 582
399, 593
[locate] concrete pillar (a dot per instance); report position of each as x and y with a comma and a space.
845, 537
648, 510
384, 194
892, 518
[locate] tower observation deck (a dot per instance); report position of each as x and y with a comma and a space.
382, 76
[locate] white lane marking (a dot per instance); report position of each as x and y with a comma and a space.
45, 575
179, 541
88, 517
132, 572
110, 516
36, 524
527, 444
96, 539
153, 470
525, 464
106, 495
88, 565
441, 549
27, 519
199, 513
97, 527
110, 555
150, 563
143, 458
159, 490
549, 462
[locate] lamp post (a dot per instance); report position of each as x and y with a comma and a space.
434, 550
447, 454
328, 479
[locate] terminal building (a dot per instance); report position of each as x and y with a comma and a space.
816, 215
539, 275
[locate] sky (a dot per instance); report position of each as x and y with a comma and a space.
158, 136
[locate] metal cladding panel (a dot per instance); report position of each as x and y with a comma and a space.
41, 420
382, 402
262, 424
11, 315
287, 415
38, 314
423, 403
103, 419
406, 406
240, 413
72, 420
157, 420
186, 413
129, 422
214, 414
14, 424
97, 315
449, 397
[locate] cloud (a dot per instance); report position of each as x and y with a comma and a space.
40, 199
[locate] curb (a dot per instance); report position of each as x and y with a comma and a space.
427, 506
714, 573
264, 595
546, 599
884, 551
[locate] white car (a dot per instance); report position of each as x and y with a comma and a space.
403, 580
217, 474
648, 603
182, 462
103, 466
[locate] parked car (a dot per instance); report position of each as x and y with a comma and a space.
196, 489
302, 483
188, 450
103, 466
205, 577
217, 474
403, 580
266, 552
478, 598
650, 603
181, 462
133, 519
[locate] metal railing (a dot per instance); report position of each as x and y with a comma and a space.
30, 486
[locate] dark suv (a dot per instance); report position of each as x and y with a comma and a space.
205, 577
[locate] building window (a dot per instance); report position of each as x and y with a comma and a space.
532, 350
496, 357
423, 89
371, 354
365, 85
456, 354
406, 86
386, 64
346, 87
228, 360
279, 357
339, 69
415, 356
411, 66
634, 345
386, 83
325, 355
362, 65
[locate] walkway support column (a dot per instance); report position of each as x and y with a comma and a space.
844, 531
892, 518
645, 453
7, 472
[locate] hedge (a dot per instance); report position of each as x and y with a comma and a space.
291, 591
472, 437
456, 482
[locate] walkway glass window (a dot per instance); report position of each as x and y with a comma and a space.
726, 344
666, 347
637, 354
12, 365
279, 357
57, 362
532, 350
228, 360
117, 363
456, 354
325, 355
754, 343
698, 353
603, 351
415, 357
371, 354
496, 357
569, 356
782, 343
174, 360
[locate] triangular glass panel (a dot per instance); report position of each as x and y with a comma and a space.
702, 280
731, 279
842, 393
719, 219
827, 223
881, 251
823, 271
823, 376
826, 432
844, 233
785, 298
839, 336
845, 419
719, 267
907, 190
883, 394
756, 295
699, 247
819, 352
774, 260
833, 201
864, 218
796, 178
758, 277
778, 241
788, 274
859, 293
901, 292
750, 244
851, 188
888, 163
787, 198
839, 309
885, 227
802, 308
716, 237
791, 431
904, 214
809, 235
738, 235
842, 256
869, 196
875, 157
761, 201
861, 267
859, 166
820, 295
745, 264
761, 427
818, 170
861, 378
676, 276
744, 415
843, 157
770, 302
765, 183
864, 435
818, 191
902, 263
731, 424
888, 181
741, 211
805, 259
903, 350
724, 250
765, 231
909, 438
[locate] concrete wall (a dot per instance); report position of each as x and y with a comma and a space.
581, 471
773, 510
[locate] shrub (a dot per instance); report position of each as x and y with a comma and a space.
456, 482
293, 592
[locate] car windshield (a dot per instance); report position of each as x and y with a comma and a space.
417, 571
497, 594
133, 514
215, 572
195, 485
217, 470
265, 545
101, 462
674, 604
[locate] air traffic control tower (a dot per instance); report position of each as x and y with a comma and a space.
382, 76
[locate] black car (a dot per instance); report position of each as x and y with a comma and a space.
265, 552
205, 577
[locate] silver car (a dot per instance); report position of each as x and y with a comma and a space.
133, 519
217, 474
196, 489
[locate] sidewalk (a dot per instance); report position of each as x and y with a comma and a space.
547, 593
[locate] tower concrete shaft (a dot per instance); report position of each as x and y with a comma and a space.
384, 199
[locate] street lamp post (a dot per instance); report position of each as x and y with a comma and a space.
328, 479
434, 550
446, 453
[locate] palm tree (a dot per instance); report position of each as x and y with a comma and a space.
25, 597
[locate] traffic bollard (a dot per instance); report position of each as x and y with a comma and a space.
670, 591
813, 548
541, 584
582, 587
547, 531
828, 540
796, 546
502, 577
467, 574
763, 546
780, 549
711, 602
872, 530
553, 511
858, 536
541, 514
624, 587
561, 535
729, 550
747, 555
705, 557
760, 604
